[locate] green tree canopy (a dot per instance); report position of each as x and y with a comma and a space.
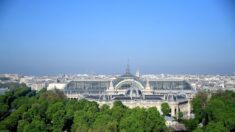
165, 108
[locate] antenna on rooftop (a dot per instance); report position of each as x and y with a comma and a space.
128, 68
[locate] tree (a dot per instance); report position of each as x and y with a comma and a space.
37, 125
58, 120
11, 121
20, 101
22, 124
52, 96
165, 108
70, 108
154, 121
104, 122
53, 108
180, 115
82, 121
199, 104
104, 108
118, 104
21, 111
37, 110
215, 113
190, 124
221, 108
216, 127
198, 130
3, 109
118, 110
134, 121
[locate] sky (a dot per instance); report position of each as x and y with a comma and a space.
40, 37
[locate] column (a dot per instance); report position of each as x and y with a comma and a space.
172, 111
189, 108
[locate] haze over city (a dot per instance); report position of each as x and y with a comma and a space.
117, 65
52, 37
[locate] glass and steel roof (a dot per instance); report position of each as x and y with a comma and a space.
86, 87
123, 82
170, 85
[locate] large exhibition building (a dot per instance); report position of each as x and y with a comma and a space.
134, 91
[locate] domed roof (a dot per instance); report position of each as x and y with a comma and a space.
127, 75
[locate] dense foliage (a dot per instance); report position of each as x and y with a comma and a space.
165, 108
213, 112
51, 111
23, 110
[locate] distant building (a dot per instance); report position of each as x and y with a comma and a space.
38, 86
59, 86
137, 74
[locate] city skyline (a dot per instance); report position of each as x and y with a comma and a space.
53, 37
124, 65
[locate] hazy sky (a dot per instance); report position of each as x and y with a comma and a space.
98, 36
